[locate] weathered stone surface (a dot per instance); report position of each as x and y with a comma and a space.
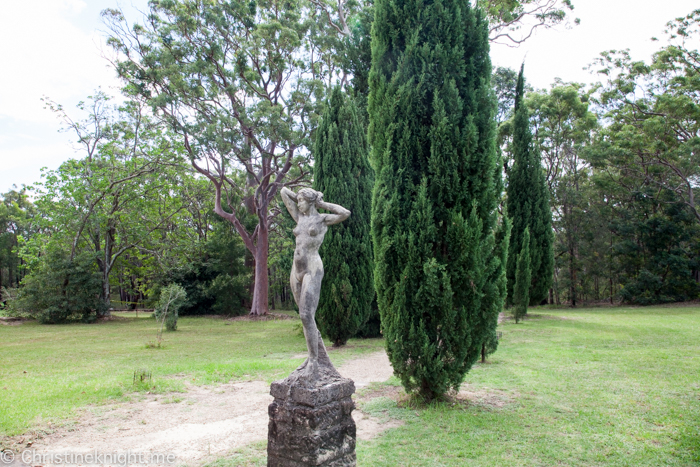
311, 421
311, 417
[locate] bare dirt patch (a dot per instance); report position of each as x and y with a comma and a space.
369, 427
392, 392
491, 399
195, 426
372, 368
198, 425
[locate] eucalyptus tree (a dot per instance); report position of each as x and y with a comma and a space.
647, 159
511, 22
653, 111
241, 84
505, 81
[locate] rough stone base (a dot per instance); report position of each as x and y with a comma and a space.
311, 422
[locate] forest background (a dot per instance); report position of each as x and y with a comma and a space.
129, 214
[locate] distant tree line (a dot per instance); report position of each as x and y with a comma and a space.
622, 168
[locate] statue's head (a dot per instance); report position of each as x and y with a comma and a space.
307, 198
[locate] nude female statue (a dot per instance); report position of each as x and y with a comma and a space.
307, 268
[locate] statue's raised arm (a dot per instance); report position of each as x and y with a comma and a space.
289, 198
307, 268
338, 213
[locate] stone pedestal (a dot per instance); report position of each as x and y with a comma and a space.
311, 422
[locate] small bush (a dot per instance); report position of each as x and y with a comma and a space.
172, 298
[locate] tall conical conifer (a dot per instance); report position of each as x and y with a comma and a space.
528, 206
521, 289
343, 174
439, 253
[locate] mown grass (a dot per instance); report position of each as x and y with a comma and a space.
46, 371
593, 387
608, 387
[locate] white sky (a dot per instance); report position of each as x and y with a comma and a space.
54, 48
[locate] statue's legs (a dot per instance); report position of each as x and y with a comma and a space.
296, 286
309, 295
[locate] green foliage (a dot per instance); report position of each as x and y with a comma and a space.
16, 215
563, 125
505, 83
654, 114
116, 201
490, 344
528, 207
512, 22
357, 57
172, 298
61, 290
243, 95
438, 268
657, 248
343, 174
133, 206
647, 163
373, 326
281, 258
216, 280
521, 289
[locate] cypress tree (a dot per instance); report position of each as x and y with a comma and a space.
439, 250
528, 206
521, 289
343, 174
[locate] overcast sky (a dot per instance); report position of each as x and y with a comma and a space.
54, 48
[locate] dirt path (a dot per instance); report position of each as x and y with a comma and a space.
199, 425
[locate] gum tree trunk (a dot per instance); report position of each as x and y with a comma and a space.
262, 280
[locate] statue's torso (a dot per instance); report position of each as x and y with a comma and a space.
309, 233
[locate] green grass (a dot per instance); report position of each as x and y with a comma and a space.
591, 387
47, 371
608, 387
252, 455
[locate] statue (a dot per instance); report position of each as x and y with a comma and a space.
307, 268
311, 415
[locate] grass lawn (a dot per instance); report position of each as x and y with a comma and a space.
46, 371
607, 386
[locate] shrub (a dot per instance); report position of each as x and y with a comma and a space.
217, 280
172, 298
59, 290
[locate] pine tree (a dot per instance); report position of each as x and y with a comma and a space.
344, 176
439, 251
528, 206
521, 289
